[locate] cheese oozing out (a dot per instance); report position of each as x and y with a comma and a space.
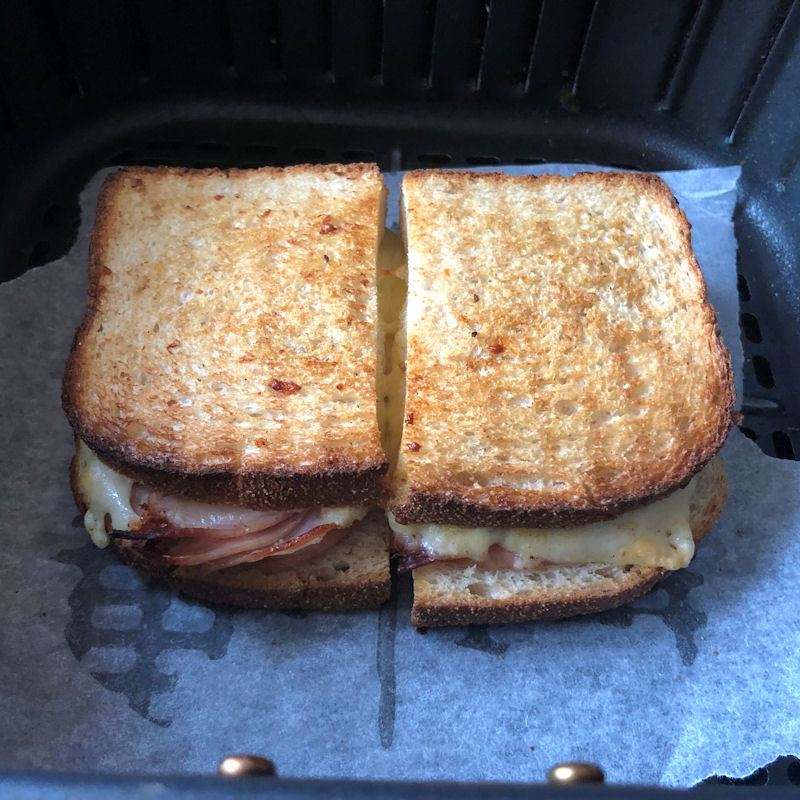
107, 495
392, 270
656, 535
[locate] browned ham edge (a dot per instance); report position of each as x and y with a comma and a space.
408, 561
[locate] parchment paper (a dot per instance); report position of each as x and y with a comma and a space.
103, 671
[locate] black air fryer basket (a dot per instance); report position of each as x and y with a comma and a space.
640, 84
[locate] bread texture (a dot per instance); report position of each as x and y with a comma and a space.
449, 594
563, 363
353, 574
228, 347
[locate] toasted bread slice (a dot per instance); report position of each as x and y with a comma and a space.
563, 363
447, 594
228, 348
352, 574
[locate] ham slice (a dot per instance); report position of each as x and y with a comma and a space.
181, 516
408, 558
222, 560
290, 557
290, 534
181, 532
406, 561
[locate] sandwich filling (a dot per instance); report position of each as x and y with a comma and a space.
656, 535
178, 531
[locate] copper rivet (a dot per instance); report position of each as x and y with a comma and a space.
243, 766
575, 772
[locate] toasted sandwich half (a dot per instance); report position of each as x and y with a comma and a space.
222, 383
566, 393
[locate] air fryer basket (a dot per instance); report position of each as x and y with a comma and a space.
417, 83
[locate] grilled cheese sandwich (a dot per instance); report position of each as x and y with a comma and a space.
534, 363
564, 381
222, 383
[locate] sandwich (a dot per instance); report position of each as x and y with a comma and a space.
221, 386
566, 394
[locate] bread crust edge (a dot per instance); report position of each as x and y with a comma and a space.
335, 486
427, 507
371, 593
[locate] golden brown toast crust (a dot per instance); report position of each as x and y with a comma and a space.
442, 597
563, 362
228, 347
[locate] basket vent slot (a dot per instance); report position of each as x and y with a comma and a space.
743, 287
763, 372
783, 445
434, 159
751, 328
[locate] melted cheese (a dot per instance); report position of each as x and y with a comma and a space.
107, 494
390, 379
657, 535
343, 516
